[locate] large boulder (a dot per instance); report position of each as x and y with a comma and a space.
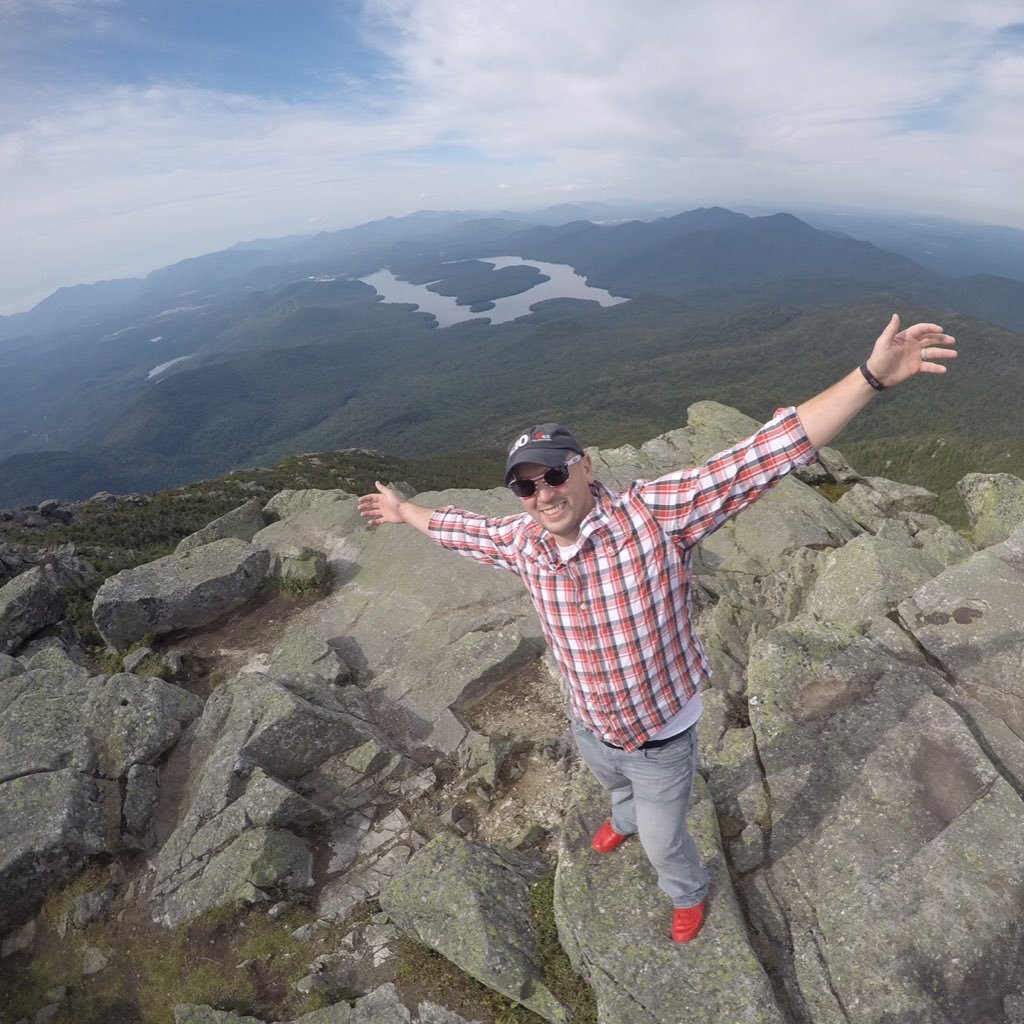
866, 578
29, 603
243, 523
994, 503
493, 940
425, 639
262, 748
968, 619
178, 592
613, 921
68, 743
895, 869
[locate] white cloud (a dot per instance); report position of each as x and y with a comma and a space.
907, 105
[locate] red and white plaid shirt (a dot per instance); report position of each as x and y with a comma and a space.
618, 615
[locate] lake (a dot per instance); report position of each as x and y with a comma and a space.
564, 283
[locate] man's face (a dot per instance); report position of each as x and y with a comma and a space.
560, 510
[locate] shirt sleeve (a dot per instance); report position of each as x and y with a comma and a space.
490, 540
692, 503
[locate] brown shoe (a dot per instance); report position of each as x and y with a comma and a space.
607, 839
687, 921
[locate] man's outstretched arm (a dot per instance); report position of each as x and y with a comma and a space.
387, 507
896, 356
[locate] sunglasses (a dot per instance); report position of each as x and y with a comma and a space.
554, 477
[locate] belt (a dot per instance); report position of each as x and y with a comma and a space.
650, 744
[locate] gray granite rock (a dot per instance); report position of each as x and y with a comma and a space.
614, 923
494, 940
178, 592
994, 503
30, 602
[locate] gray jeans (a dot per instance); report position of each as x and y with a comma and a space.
650, 791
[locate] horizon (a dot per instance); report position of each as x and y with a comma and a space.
751, 210
137, 135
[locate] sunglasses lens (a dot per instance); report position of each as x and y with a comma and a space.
528, 488
522, 488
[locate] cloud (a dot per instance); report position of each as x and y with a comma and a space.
906, 105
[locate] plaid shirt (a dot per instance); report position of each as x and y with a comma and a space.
618, 615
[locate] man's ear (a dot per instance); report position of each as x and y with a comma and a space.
588, 468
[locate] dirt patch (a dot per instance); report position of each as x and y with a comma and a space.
536, 798
528, 705
238, 640
529, 710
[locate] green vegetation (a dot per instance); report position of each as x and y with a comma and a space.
566, 985
295, 353
315, 378
936, 463
422, 970
236, 958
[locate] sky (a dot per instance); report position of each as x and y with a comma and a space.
135, 133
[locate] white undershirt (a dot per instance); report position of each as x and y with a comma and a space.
686, 716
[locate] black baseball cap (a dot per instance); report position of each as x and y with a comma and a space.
546, 444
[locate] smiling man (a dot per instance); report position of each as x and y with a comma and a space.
609, 575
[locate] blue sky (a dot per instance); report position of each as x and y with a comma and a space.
134, 133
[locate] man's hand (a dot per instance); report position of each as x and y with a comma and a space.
382, 507
898, 354
387, 507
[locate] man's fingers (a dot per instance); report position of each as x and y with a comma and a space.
891, 328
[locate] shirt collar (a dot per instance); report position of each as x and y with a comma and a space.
604, 498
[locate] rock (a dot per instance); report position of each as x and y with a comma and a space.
831, 467
66, 741
300, 569
134, 658
861, 739
141, 796
19, 940
614, 923
876, 501
94, 960
91, 906
968, 619
494, 942
290, 505
765, 538
994, 503
55, 821
9, 667
865, 579
133, 720
737, 786
29, 603
303, 651
888, 823
239, 837
242, 523
178, 591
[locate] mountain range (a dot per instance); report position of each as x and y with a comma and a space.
240, 357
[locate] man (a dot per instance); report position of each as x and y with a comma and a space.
609, 576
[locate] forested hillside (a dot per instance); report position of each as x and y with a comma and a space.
262, 357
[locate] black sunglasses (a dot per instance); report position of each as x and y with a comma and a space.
554, 477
